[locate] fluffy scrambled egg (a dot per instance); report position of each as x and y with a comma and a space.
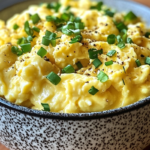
108, 53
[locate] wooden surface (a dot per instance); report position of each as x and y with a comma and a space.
145, 2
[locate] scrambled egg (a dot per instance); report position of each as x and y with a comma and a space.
120, 79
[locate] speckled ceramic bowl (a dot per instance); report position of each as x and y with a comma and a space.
125, 128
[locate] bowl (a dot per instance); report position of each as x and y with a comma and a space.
126, 128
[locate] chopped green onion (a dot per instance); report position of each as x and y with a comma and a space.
67, 8
75, 32
108, 63
111, 39
102, 77
46, 107
35, 18
42, 52
77, 19
130, 16
124, 35
56, 6
93, 90
97, 63
26, 47
54, 19
49, 18
93, 53
22, 41
119, 39
123, 81
124, 69
147, 61
100, 51
65, 17
98, 6
48, 33
121, 45
79, 65
16, 50
53, 78
15, 27
79, 25
27, 28
29, 38
111, 53
109, 13
36, 29
67, 32
129, 41
147, 34
120, 26
53, 43
68, 69
45, 41
138, 63
52, 36
78, 38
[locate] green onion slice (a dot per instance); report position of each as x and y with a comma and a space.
121, 45
108, 63
56, 6
93, 54
42, 52
98, 6
27, 28
120, 26
29, 38
111, 39
46, 107
36, 29
16, 51
53, 43
147, 61
67, 8
45, 41
22, 41
103, 77
130, 16
100, 51
48, 33
15, 27
138, 63
123, 34
35, 18
53, 78
97, 63
109, 13
79, 65
26, 47
77, 38
111, 53
129, 41
93, 90
68, 69
79, 25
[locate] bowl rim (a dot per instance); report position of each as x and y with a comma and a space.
75, 116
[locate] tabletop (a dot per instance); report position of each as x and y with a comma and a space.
145, 2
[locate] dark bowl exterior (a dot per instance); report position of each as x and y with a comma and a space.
125, 128
126, 131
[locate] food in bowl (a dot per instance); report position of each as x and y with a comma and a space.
63, 57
